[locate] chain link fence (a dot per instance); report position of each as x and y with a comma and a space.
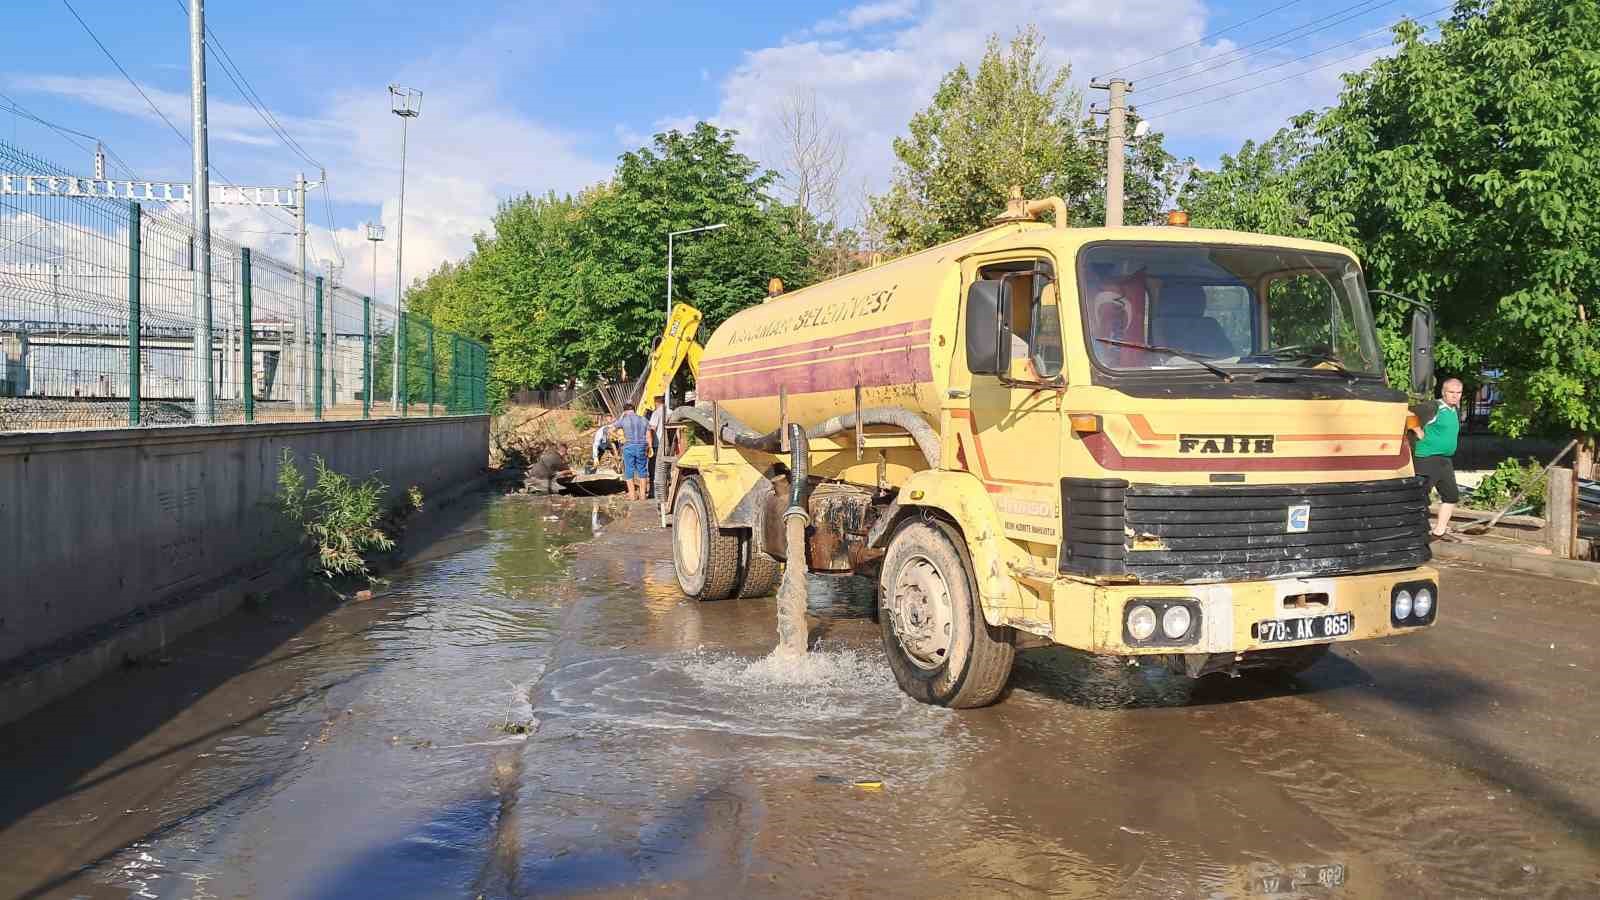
99, 328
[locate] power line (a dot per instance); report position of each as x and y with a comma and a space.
1206, 37
188, 143
248, 92
1338, 17
16, 108
1278, 81
1254, 72
333, 229
94, 37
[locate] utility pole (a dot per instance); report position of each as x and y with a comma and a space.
200, 209
1116, 138
303, 398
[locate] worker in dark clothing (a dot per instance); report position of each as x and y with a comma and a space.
1437, 433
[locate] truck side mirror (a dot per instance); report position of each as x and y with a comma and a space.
985, 350
1421, 351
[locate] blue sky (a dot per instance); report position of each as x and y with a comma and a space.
543, 96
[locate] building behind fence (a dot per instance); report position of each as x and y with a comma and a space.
98, 326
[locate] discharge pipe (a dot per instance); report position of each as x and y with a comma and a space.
792, 592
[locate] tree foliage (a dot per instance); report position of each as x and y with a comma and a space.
574, 288
1014, 121
1463, 170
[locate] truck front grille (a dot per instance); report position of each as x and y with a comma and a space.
1166, 534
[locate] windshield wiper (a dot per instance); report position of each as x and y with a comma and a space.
1305, 354
1194, 358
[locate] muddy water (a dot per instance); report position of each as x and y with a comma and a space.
537, 711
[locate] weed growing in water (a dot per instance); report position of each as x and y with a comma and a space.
337, 516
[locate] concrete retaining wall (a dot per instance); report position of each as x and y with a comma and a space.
95, 525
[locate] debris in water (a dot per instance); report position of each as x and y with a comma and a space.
1131, 830
865, 784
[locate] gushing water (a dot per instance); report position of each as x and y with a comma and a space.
792, 592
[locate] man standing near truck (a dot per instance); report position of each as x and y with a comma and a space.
1436, 444
635, 452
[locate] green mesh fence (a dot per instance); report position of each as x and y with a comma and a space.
99, 328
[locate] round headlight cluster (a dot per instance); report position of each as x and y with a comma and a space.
1141, 622
1175, 624
1402, 604
1422, 603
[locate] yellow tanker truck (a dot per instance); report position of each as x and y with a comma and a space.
1164, 443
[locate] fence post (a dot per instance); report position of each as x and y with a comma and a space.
366, 357
480, 383
400, 350
316, 377
247, 385
432, 376
134, 287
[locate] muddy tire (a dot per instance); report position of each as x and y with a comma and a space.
705, 557
940, 648
759, 573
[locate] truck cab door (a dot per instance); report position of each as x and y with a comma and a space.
1009, 434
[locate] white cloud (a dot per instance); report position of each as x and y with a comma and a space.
466, 153
870, 85
867, 15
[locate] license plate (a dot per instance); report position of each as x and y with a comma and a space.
1309, 628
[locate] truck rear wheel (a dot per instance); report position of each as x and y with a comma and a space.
939, 646
705, 558
758, 575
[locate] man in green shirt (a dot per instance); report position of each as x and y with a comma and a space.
1436, 444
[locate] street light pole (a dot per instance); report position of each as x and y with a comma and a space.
666, 391
374, 234
407, 104
670, 236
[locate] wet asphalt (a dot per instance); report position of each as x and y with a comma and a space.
532, 709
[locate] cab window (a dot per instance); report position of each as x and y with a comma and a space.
1032, 320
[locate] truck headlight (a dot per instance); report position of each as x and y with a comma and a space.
1422, 603
1402, 604
1141, 622
1175, 623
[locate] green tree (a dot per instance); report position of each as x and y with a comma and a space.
1461, 170
1469, 164
566, 288
1015, 121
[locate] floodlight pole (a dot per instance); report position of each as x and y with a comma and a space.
400, 100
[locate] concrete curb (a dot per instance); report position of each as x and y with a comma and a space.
50, 681
1548, 566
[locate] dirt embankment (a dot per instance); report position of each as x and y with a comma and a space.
523, 434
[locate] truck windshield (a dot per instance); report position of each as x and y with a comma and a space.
1184, 306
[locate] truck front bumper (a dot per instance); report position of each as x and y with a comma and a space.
1241, 617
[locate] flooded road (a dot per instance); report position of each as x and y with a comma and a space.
532, 709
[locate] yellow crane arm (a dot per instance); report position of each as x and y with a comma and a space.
676, 347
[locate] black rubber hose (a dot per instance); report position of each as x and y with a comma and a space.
740, 435
799, 469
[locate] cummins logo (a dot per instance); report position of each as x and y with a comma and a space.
1298, 521
1225, 443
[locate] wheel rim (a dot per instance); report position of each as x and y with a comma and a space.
923, 613
689, 532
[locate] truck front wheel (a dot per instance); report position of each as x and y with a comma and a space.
939, 646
